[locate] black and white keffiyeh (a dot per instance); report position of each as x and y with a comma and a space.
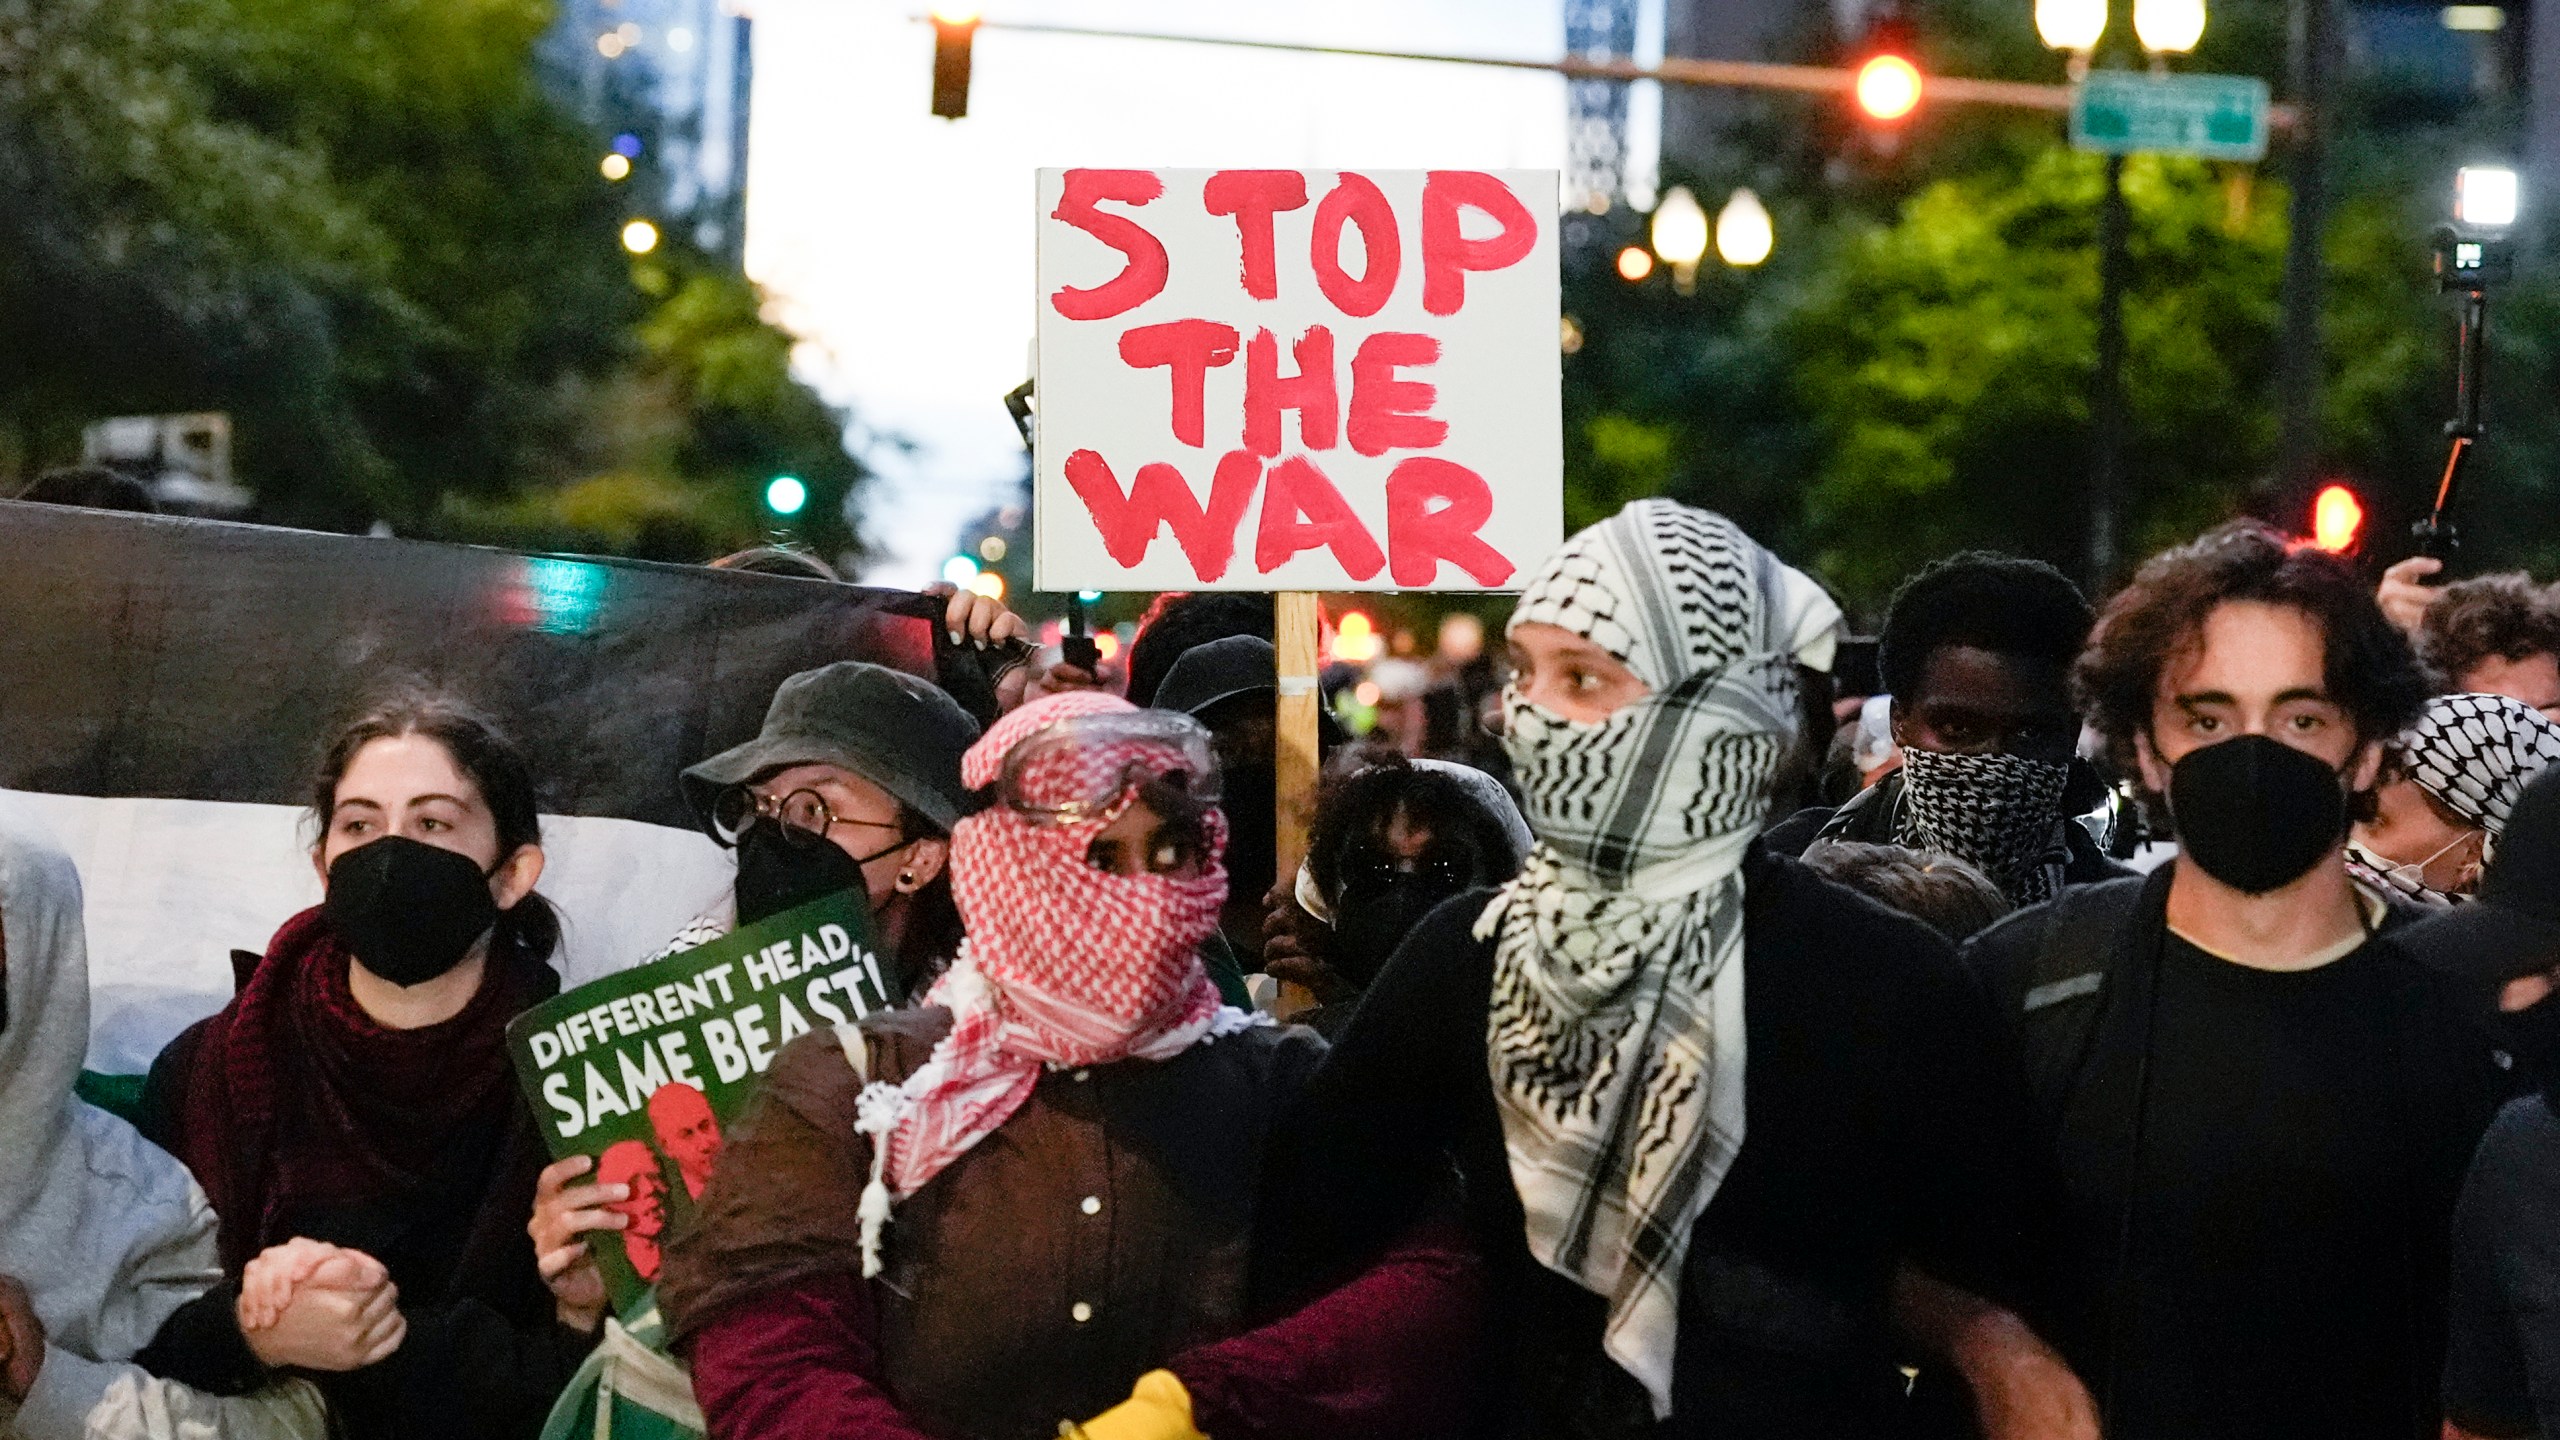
2000, 813
1616, 1033
2475, 754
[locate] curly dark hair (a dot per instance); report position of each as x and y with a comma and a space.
2489, 617
2006, 604
2368, 668
1359, 800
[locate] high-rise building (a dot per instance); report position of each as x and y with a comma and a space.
669, 80
1695, 118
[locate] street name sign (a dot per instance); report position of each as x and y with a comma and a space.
2214, 117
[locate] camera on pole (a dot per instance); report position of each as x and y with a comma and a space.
2472, 254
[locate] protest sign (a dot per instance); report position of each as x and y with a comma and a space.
647, 1070
167, 686
1296, 380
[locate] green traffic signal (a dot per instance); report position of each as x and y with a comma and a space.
785, 495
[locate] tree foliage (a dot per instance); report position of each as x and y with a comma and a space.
366, 229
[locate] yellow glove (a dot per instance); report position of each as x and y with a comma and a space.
1158, 1408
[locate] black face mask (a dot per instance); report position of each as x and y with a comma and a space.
2532, 1036
2255, 813
1374, 917
409, 910
777, 873
1253, 860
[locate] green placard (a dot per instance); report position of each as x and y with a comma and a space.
647, 1069
2217, 117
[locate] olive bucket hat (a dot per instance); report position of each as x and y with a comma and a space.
892, 729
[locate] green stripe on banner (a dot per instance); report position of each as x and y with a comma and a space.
118, 1095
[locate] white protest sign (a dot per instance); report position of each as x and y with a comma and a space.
1297, 379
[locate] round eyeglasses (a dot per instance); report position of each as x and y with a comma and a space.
803, 815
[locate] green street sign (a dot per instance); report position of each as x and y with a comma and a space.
2123, 112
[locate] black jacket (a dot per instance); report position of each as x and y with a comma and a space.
1883, 1121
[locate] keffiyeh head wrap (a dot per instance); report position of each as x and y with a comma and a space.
1065, 964
2474, 754
1616, 1036
2000, 813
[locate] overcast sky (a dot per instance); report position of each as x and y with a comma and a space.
900, 245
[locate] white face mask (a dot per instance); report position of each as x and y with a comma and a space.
2409, 877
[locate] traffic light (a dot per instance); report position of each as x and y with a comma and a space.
2337, 520
784, 495
1888, 81
953, 30
1888, 87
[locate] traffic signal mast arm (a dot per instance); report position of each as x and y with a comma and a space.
1673, 70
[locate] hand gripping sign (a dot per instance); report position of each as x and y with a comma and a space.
1296, 379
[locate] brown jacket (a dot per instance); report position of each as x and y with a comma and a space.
1103, 1229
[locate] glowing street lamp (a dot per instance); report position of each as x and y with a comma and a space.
1744, 233
2484, 197
1680, 234
2071, 25
2168, 27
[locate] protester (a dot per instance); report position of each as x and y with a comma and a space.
1391, 840
1693, 1192
1976, 652
1935, 888
2260, 1115
1072, 1130
1231, 685
2447, 785
1177, 622
358, 1092
851, 787
102, 1237
2491, 634
2502, 958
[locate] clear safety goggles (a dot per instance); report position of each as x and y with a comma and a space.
1080, 767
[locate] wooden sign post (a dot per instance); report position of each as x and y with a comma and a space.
1298, 760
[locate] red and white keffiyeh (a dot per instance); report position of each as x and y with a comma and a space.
1064, 964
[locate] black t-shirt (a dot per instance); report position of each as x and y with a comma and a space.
1883, 1121
2278, 1272
2502, 1352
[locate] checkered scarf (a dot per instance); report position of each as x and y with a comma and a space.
2001, 814
2475, 754
1616, 1037
1064, 964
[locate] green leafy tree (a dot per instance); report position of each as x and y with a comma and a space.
365, 229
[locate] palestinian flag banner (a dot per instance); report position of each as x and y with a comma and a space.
167, 686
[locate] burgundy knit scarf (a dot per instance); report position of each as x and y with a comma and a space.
295, 1098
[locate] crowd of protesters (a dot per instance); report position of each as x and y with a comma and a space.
2094, 1030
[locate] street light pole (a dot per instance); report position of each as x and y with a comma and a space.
2298, 361
2107, 402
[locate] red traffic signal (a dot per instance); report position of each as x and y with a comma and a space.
2337, 520
1888, 88
1886, 78
952, 34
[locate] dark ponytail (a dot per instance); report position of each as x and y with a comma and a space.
529, 932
